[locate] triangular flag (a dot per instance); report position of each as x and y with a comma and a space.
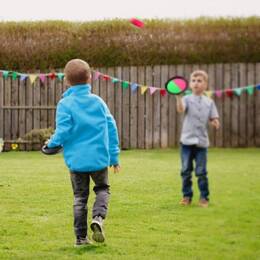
218, 93
125, 84
152, 90
42, 77
250, 90
5, 74
14, 75
208, 93
229, 92
258, 87
97, 74
52, 75
238, 91
105, 77
1, 73
163, 92
134, 86
187, 92
60, 75
143, 89
23, 77
32, 78
115, 80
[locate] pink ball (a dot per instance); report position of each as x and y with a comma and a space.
137, 22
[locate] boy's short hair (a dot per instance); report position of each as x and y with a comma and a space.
77, 71
201, 73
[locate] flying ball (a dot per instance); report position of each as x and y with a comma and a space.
136, 22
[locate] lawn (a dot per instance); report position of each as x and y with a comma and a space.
145, 220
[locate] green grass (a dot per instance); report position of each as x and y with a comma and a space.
145, 220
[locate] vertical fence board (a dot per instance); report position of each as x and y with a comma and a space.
242, 124
164, 109
29, 112
156, 107
141, 109
212, 83
250, 105
44, 102
22, 119
118, 103
148, 109
51, 102
227, 106
257, 106
234, 106
7, 112
126, 110
133, 110
219, 84
14, 102
1, 107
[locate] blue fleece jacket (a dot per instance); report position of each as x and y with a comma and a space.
86, 130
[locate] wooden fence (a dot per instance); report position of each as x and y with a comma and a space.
144, 121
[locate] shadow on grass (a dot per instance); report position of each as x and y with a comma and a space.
90, 249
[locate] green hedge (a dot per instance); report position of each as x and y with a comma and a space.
50, 44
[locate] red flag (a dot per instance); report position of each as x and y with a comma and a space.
52, 75
105, 77
163, 92
229, 92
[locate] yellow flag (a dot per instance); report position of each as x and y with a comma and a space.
209, 94
32, 78
143, 89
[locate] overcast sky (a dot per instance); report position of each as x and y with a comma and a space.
91, 10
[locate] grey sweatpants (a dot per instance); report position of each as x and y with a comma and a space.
80, 186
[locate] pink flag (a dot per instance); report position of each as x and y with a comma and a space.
218, 93
97, 74
152, 90
42, 77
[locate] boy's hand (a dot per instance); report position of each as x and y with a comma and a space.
116, 168
215, 123
179, 104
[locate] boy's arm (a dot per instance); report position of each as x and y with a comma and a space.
63, 126
113, 139
214, 116
180, 105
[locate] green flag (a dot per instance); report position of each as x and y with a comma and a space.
250, 90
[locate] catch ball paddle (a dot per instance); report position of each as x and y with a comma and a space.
176, 85
50, 151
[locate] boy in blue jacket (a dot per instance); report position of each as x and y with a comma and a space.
88, 134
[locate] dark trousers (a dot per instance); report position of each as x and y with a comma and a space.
190, 153
80, 186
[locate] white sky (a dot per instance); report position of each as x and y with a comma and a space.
91, 10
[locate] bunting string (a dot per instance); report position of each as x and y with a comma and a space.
230, 92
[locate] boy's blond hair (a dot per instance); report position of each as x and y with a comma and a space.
201, 73
77, 71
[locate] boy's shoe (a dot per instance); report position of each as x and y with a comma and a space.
80, 241
96, 226
204, 203
185, 201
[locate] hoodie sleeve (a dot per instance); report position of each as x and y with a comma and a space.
63, 126
113, 138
